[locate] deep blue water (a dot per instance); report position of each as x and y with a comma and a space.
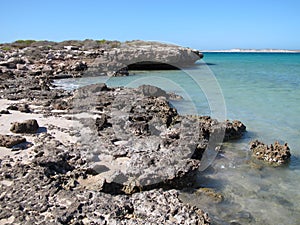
260, 89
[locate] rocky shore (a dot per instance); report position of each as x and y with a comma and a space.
98, 155
107, 155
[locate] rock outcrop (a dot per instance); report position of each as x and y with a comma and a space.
144, 142
77, 58
32, 194
274, 154
144, 56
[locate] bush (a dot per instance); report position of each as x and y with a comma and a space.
5, 48
101, 42
23, 43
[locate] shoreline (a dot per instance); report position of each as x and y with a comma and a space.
88, 175
251, 51
103, 152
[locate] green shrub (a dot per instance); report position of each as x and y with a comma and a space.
103, 41
5, 48
23, 43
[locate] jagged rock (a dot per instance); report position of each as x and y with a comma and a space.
163, 207
60, 105
274, 154
230, 130
149, 90
32, 88
50, 190
79, 66
22, 108
101, 122
144, 141
4, 111
234, 130
28, 126
9, 141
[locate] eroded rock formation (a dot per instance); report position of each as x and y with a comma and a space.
77, 58
130, 142
274, 154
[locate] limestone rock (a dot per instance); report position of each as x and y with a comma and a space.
273, 154
234, 130
112, 59
144, 141
9, 141
149, 90
28, 126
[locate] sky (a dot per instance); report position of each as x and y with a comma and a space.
201, 24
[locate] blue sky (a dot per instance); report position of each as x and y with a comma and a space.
202, 24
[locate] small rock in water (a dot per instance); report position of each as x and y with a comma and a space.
273, 154
209, 192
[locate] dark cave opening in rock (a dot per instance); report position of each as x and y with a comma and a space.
150, 65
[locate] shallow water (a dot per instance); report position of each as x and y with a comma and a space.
260, 89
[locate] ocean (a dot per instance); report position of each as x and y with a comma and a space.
263, 91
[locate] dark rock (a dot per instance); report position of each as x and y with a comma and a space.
149, 90
9, 141
24, 108
102, 123
93, 88
28, 126
13, 107
79, 66
61, 76
230, 130
4, 111
234, 130
61, 105
274, 154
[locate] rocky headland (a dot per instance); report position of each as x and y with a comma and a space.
78, 58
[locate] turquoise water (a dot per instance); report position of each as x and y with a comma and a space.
260, 89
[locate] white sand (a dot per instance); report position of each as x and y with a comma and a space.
6, 121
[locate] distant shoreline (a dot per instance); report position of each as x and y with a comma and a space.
253, 51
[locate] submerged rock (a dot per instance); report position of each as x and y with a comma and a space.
211, 193
274, 154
